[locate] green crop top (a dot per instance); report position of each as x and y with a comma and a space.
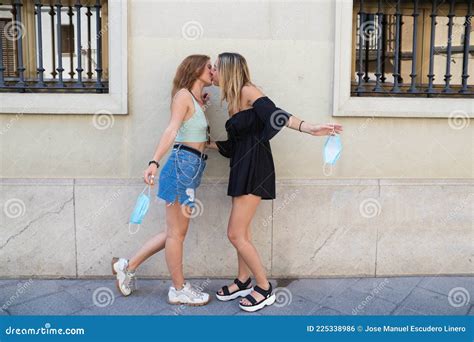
195, 128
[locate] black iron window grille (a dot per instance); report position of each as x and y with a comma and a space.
413, 48
54, 46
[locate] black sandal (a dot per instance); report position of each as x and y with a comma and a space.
243, 290
268, 299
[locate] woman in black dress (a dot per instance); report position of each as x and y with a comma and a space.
254, 120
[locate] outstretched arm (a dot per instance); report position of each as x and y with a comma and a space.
252, 93
314, 129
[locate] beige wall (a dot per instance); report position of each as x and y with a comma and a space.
370, 224
289, 47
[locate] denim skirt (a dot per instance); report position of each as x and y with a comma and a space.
181, 176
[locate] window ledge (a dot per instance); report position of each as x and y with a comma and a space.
404, 107
113, 102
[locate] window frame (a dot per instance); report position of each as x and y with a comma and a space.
345, 105
113, 102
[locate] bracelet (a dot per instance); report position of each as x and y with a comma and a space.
154, 162
299, 128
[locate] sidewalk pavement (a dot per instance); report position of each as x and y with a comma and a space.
447, 295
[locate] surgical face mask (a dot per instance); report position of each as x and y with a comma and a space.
332, 149
141, 207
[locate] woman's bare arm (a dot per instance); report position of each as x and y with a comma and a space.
212, 145
251, 93
179, 107
314, 129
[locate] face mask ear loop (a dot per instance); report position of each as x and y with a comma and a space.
325, 170
130, 231
156, 193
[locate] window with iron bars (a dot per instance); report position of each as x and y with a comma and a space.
413, 48
54, 46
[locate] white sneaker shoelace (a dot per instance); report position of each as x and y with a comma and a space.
130, 280
196, 291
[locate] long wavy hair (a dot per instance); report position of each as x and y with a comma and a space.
188, 72
233, 75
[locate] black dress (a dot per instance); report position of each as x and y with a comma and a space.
251, 163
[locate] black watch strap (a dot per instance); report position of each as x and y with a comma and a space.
153, 162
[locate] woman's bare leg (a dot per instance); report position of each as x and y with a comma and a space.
244, 271
243, 211
151, 247
177, 221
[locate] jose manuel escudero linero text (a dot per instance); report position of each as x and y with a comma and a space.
414, 328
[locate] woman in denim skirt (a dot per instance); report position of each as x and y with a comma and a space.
188, 132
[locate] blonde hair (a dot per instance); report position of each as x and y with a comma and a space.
233, 75
188, 72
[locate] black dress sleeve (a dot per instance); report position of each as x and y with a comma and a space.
272, 117
226, 148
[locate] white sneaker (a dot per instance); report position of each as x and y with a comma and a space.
188, 295
126, 280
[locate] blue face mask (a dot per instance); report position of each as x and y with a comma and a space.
141, 207
332, 149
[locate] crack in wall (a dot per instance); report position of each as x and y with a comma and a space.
36, 220
319, 248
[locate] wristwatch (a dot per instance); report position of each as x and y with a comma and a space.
153, 162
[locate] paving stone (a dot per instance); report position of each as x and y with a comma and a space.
427, 302
324, 311
242, 313
446, 284
341, 296
60, 303
391, 289
352, 302
20, 291
294, 305
317, 290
